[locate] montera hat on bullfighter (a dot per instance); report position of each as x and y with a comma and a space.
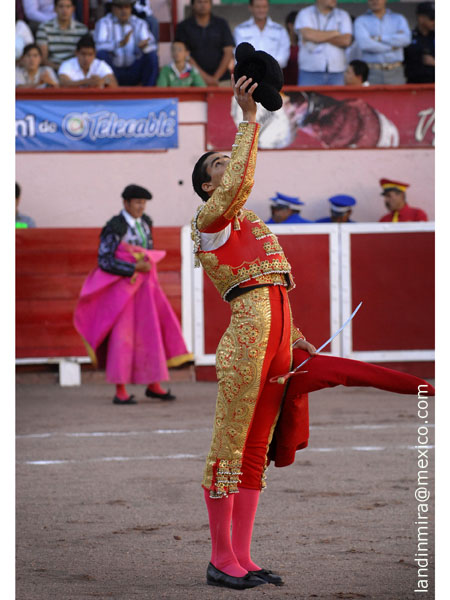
263, 69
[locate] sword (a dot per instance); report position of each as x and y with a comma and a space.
282, 379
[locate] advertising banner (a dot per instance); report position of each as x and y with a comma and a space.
99, 126
402, 117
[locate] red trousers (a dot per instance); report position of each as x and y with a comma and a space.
255, 347
277, 360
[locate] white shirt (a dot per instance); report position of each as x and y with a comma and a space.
39, 10
109, 33
22, 77
324, 56
273, 39
132, 235
23, 37
72, 69
212, 241
130, 220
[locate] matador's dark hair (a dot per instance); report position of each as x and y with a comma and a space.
199, 176
135, 191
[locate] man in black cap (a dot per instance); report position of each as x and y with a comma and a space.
123, 316
419, 56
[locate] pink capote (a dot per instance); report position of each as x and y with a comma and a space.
127, 323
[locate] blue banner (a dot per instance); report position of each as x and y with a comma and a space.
98, 126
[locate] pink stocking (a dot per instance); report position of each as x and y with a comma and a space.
244, 511
222, 555
121, 391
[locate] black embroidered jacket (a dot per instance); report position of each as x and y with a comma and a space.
115, 231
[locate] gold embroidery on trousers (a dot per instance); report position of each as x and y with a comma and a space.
239, 361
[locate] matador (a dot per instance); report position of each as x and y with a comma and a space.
247, 265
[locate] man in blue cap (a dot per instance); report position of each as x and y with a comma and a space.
340, 209
286, 210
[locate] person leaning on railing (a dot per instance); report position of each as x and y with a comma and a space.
32, 74
84, 70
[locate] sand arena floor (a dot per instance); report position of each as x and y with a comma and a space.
109, 504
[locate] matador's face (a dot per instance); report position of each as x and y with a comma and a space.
135, 207
215, 166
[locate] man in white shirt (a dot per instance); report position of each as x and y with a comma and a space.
263, 33
324, 32
84, 70
125, 42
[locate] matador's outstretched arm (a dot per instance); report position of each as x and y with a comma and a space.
237, 182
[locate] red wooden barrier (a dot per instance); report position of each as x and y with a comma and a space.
51, 265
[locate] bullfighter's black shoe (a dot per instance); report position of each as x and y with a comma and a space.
221, 579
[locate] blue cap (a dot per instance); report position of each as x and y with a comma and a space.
341, 203
288, 201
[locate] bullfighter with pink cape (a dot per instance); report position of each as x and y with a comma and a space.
123, 316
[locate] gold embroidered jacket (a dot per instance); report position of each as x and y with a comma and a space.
252, 254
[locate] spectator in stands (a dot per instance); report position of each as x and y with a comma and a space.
381, 35
85, 70
138, 335
180, 73
357, 74
419, 56
290, 71
24, 37
324, 32
394, 193
210, 41
353, 52
58, 38
263, 33
143, 10
340, 209
22, 221
125, 42
38, 11
32, 74
286, 210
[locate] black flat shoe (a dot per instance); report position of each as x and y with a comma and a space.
129, 400
268, 576
166, 396
221, 579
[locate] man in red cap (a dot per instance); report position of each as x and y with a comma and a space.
394, 193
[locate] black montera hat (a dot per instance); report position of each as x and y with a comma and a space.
136, 191
263, 69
